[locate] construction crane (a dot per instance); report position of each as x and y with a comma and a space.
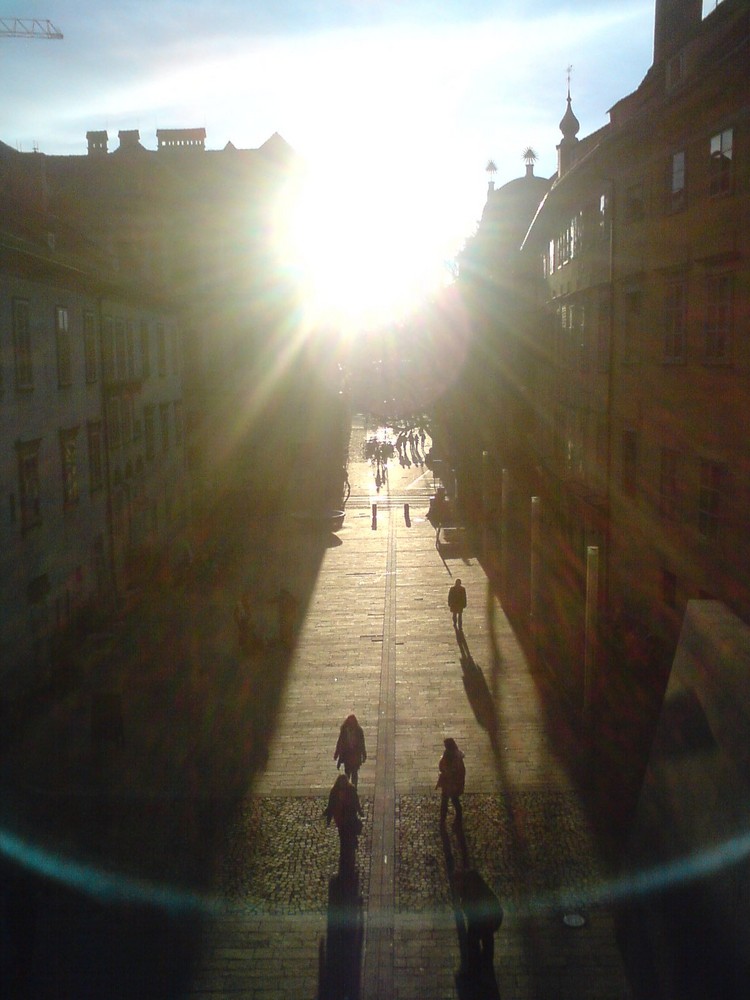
28, 27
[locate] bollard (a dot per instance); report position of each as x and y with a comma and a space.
374, 516
407, 519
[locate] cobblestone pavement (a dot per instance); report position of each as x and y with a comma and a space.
226, 800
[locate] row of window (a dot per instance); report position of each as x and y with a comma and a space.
714, 486
122, 423
576, 346
713, 166
591, 225
588, 228
126, 425
125, 356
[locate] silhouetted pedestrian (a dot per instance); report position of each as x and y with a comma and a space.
451, 780
344, 809
483, 915
350, 748
457, 603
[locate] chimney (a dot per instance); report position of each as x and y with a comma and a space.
129, 138
97, 143
674, 23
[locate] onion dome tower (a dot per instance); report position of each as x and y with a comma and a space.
569, 126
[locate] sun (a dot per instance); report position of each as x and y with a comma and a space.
366, 250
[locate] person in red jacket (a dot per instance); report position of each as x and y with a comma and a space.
451, 780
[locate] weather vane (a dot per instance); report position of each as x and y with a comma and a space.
568, 72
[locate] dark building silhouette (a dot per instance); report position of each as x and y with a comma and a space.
92, 417
610, 367
607, 384
208, 382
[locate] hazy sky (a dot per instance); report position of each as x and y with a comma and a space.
406, 96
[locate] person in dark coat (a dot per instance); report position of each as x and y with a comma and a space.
451, 780
350, 748
457, 603
345, 809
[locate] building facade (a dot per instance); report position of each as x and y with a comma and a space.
629, 306
93, 464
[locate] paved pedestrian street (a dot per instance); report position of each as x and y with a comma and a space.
377, 640
188, 856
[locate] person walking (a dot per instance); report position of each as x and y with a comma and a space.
345, 809
457, 603
451, 781
350, 748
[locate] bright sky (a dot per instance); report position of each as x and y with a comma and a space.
397, 105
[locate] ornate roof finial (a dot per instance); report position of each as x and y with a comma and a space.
491, 169
530, 157
569, 125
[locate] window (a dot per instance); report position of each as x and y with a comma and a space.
120, 350
178, 422
161, 349
718, 321
677, 181
137, 425
580, 332
629, 461
675, 71
29, 484
711, 498
108, 349
175, 349
130, 348
96, 470
635, 205
114, 429
164, 424
675, 314
632, 326
145, 350
604, 217
668, 484
62, 335
604, 322
126, 419
148, 430
89, 346
69, 458
22, 344
720, 169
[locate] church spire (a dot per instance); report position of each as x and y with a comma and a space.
569, 126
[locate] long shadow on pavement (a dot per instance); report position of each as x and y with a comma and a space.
109, 883
340, 953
